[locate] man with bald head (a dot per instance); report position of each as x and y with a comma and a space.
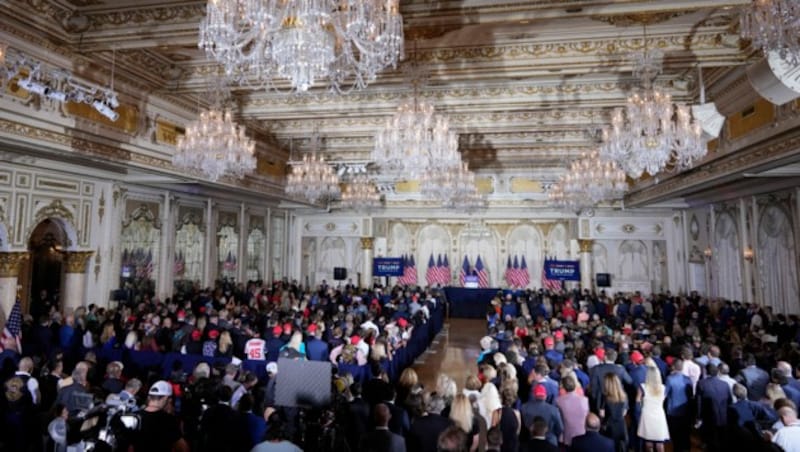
786, 370
592, 440
381, 439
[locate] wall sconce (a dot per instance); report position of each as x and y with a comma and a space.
707, 252
748, 254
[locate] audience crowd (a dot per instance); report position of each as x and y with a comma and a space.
564, 371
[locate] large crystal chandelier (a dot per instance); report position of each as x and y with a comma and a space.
774, 26
313, 179
304, 41
449, 185
216, 146
361, 194
589, 180
650, 133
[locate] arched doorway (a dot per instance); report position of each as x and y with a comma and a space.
45, 267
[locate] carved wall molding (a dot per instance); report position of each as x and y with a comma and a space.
10, 263
76, 261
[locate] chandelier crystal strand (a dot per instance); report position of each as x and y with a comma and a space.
345, 42
216, 146
313, 179
774, 26
361, 194
589, 181
650, 134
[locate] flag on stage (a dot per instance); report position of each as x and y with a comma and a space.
446, 275
13, 329
515, 271
524, 276
431, 274
483, 276
401, 279
462, 274
553, 285
439, 275
411, 279
509, 276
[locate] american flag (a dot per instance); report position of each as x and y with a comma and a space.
462, 274
445, 270
524, 276
411, 271
13, 328
515, 271
401, 280
483, 276
509, 276
553, 285
439, 272
432, 273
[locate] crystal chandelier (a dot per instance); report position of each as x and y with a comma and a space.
650, 133
216, 146
313, 179
361, 194
774, 26
448, 185
342, 41
589, 181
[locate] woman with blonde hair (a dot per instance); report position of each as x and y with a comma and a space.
408, 379
225, 345
463, 417
447, 388
653, 427
612, 410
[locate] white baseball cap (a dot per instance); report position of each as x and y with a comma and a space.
272, 368
161, 388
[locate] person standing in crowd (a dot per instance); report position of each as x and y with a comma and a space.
599, 372
540, 437
537, 407
381, 439
653, 428
510, 420
754, 379
277, 437
679, 395
159, 430
788, 437
713, 398
612, 409
428, 422
592, 440
573, 408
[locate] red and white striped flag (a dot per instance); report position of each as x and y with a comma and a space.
483, 275
445, 270
509, 275
524, 276
553, 285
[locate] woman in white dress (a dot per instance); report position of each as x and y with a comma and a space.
653, 429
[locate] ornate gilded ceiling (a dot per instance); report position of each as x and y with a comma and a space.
525, 83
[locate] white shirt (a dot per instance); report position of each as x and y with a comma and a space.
254, 349
33, 386
788, 437
692, 370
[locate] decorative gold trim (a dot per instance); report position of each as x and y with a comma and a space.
367, 243
10, 262
75, 261
585, 245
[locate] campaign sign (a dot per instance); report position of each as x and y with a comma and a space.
387, 266
563, 270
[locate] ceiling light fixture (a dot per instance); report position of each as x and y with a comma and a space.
312, 178
361, 194
341, 41
650, 134
589, 181
774, 26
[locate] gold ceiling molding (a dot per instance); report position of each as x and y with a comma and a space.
636, 19
423, 32
144, 16
739, 161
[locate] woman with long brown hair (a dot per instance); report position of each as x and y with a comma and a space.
613, 407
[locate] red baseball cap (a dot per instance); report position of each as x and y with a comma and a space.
402, 322
559, 335
540, 392
600, 353
312, 328
287, 327
355, 339
213, 334
637, 357
277, 330
548, 341
196, 334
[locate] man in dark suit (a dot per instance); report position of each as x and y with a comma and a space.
539, 435
428, 423
382, 440
754, 379
316, 348
713, 398
357, 421
599, 372
537, 407
592, 440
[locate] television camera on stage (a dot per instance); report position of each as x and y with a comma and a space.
106, 427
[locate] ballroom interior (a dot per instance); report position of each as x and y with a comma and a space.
102, 186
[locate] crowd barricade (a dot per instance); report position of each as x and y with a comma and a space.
144, 362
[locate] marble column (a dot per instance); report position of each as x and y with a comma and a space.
9, 272
585, 247
73, 290
366, 270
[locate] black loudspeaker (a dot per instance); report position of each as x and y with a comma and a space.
305, 384
603, 279
339, 273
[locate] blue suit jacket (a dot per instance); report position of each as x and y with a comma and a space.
713, 398
317, 350
592, 442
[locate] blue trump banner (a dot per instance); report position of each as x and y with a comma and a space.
387, 266
562, 270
